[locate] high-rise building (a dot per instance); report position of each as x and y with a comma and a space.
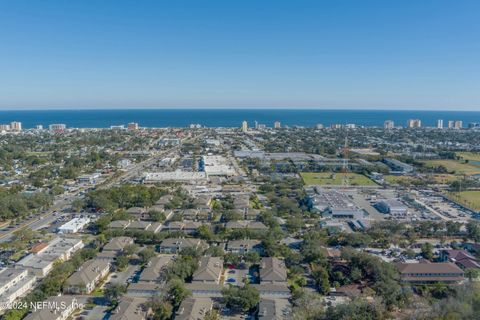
255, 124
117, 127
132, 126
474, 125
15, 126
245, 126
57, 127
414, 123
4, 127
455, 124
319, 126
39, 127
439, 124
277, 125
388, 124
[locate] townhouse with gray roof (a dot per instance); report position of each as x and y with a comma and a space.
14, 283
194, 308
244, 246
58, 308
175, 245
209, 270
84, 280
114, 247
246, 224
274, 309
273, 270
131, 308
155, 269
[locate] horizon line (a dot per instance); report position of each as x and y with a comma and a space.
239, 108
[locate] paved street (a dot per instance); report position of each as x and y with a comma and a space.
122, 277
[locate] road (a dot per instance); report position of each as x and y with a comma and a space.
39, 221
123, 276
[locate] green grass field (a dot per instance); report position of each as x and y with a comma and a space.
445, 178
408, 180
469, 198
458, 167
474, 156
335, 179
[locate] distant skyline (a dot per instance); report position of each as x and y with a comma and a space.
305, 54
359, 108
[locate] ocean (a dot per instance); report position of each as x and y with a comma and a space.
104, 118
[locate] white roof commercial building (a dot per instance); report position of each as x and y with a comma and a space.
335, 204
217, 166
182, 176
74, 225
89, 178
392, 207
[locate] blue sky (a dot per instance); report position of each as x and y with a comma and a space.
270, 53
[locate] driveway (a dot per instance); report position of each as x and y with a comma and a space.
122, 277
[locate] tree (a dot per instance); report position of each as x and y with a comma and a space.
410, 253
212, 315
473, 230
463, 304
453, 228
102, 223
204, 232
252, 257
355, 310
146, 254
56, 190
383, 276
162, 309
183, 267
320, 275
121, 262
307, 305
215, 251
244, 298
130, 249
472, 273
427, 251
313, 252
77, 205
356, 274
114, 291
294, 223
24, 235
230, 215
157, 216
232, 258
177, 292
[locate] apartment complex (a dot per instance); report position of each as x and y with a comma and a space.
41, 262
429, 273
14, 283
87, 277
